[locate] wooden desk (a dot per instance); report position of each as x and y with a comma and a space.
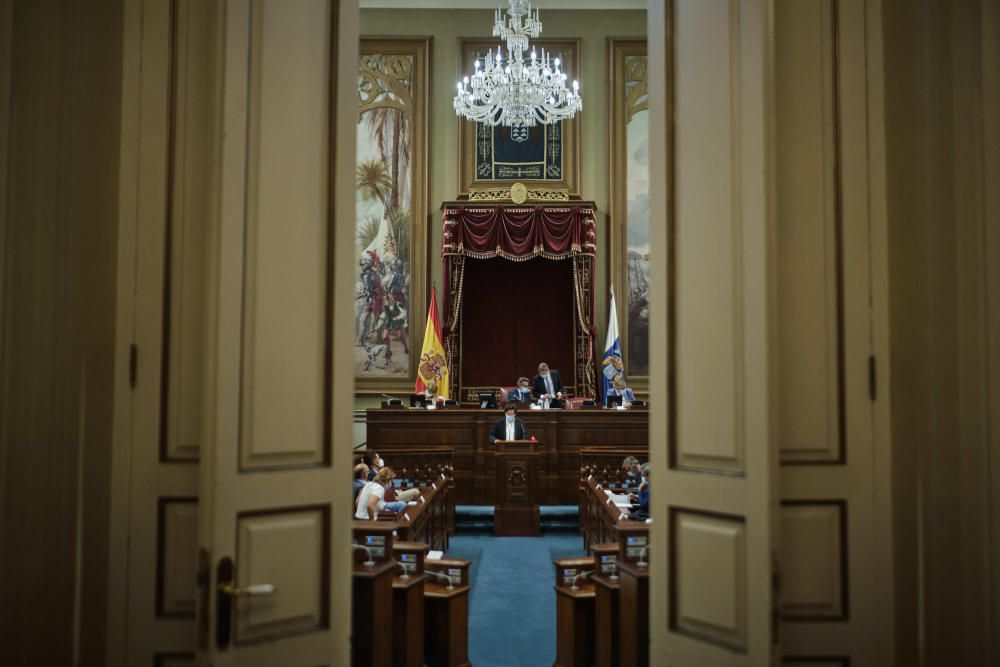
606, 530
574, 612
607, 638
516, 510
371, 580
466, 431
600, 520
431, 520
633, 578
408, 605
446, 613
606, 607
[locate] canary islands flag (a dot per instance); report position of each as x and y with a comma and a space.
612, 369
432, 369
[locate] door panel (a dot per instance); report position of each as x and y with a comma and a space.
275, 487
809, 212
813, 560
165, 189
289, 549
712, 448
708, 555
829, 541
284, 371
176, 557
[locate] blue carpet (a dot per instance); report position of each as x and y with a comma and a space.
512, 607
478, 519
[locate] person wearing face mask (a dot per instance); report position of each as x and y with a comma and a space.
640, 501
371, 499
373, 461
509, 427
521, 393
547, 385
631, 471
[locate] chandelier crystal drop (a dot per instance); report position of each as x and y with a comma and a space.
512, 91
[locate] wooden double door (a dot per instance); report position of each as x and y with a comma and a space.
238, 232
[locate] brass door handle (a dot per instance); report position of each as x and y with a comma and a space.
253, 590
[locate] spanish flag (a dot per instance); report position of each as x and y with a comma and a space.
432, 370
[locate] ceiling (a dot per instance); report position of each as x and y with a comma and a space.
493, 4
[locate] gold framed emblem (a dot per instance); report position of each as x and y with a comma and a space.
518, 193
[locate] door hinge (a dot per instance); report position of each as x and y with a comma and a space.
133, 365
872, 379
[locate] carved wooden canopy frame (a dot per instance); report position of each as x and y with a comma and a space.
577, 243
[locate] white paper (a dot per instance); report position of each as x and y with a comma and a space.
434, 555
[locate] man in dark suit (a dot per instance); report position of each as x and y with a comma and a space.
522, 392
547, 385
640, 501
509, 427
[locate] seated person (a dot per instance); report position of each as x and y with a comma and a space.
640, 501
632, 473
619, 389
360, 478
371, 500
430, 394
372, 460
509, 427
547, 385
522, 393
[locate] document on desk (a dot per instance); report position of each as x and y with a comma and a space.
434, 554
619, 499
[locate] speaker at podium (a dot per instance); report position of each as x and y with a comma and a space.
516, 512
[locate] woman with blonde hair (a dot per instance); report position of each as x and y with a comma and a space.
371, 500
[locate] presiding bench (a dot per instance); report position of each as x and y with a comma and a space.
561, 434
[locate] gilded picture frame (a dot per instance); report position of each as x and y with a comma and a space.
569, 51
391, 219
629, 196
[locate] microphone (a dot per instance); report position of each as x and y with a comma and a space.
368, 552
585, 573
642, 557
393, 400
433, 573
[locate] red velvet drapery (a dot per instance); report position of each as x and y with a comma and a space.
519, 233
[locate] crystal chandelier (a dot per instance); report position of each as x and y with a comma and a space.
512, 91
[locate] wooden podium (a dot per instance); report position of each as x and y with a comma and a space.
516, 509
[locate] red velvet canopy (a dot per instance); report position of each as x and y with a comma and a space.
519, 233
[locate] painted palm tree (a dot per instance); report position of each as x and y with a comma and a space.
373, 181
391, 129
367, 231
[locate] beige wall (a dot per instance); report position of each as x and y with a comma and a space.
943, 132
593, 28
58, 276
